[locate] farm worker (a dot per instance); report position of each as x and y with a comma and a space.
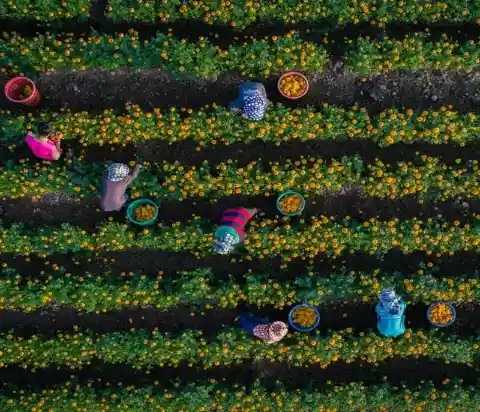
115, 183
231, 230
252, 101
390, 314
46, 145
260, 328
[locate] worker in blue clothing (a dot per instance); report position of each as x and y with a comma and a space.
390, 314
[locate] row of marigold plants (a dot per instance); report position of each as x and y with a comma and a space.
94, 293
240, 13
211, 395
218, 125
425, 178
145, 350
265, 238
44, 10
256, 58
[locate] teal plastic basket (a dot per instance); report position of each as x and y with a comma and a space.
141, 202
287, 193
298, 327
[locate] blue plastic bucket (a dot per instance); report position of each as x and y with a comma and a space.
289, 193
438, 325
141, 202
299, 328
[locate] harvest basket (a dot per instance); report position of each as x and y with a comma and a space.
137, 203
15, 87
441, 325
298, 327
291, 193
293, 74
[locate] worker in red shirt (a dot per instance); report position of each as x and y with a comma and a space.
231, 231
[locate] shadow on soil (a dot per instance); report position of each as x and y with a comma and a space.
418, 90
57, 208
334, 316
396, 371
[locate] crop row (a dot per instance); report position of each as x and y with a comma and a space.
91, 292
265, 237
256, 58
44, 10
208, 396
240, 14
218, 125
426, 178
145, 350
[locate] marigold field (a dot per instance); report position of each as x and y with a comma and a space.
99, 314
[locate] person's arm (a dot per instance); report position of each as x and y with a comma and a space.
132, 176
56, 150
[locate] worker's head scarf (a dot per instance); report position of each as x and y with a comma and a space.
225, 244
118, 172
390, 301
277, 330
254, 106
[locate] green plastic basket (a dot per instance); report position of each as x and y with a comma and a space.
141, 202
287, 193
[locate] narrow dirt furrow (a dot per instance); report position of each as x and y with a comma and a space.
59, 208
152, 261
421, 89
190, 153
410, 371
334, 316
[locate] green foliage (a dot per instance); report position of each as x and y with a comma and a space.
211, 126
44, 10
92, 292
258, 58
265, 238
210, 395
146, 350
240, 13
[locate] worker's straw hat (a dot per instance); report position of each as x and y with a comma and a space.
277, 330
118, 172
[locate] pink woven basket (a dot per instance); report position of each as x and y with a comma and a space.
288, 74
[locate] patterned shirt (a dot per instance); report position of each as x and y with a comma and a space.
254, 107
263, 332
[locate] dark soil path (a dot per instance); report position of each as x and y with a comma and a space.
334, 316
189, 153
151, 261
418, 90
58, 208
100, 375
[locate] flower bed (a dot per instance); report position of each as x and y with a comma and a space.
144, 350
44, 10
218, 125
265, 238
207, 395
239, 14
425, 179
200, 287
258, 58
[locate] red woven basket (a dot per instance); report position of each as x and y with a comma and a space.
14, 88
288, 74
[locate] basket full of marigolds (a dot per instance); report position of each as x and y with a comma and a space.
293, 85
142, 212
304, 317
441, 314
291, 203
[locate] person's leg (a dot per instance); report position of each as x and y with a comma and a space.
249, 322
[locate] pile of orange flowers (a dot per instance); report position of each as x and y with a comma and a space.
144, 213
441, 314
293, 86
291, 203
304, 317
25, 92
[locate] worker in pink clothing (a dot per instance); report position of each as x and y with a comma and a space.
46, 145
